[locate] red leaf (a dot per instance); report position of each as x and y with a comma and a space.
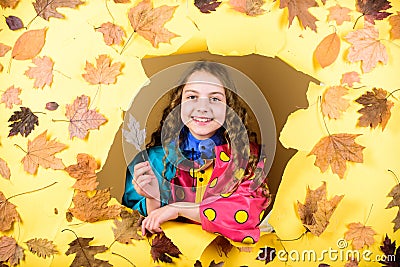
14, 23
206, 6
372, 9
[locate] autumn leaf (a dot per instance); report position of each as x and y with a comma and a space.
360, 235
134, 135
4, 170
366, 47
94, 208
9, 3
84, 172
317, 210
51, 106
376, 109
395, 23
11, 97
14, 23
339, 14
395, 194
4, 49
81, 118
149, 22
23, 122
207, 6
85, 253
42, 247
222, 245
373, 9
10, 251
122, 1
105, 73
41, 152
333, 103
328, 50
266, 254
47, 9
248, 7
392, 254
162, 248
352, 263
127, 228
334, 150
29, 44
349, 78
8, 213
42, 73
112, 33
300, 8
212, 264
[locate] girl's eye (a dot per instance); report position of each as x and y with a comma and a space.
214, 99
191, 97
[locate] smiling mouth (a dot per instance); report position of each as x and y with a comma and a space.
201, 119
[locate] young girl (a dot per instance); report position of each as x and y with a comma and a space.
199, 163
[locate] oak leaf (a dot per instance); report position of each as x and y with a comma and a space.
11, 97
373, 9
29, 44
395, 194
42, 247
94, 208
14, 23
10, 251
317, 210
339, 14
334, 150
41, 152
349, 78
162, 248
127, 228
85, 253
42, 72
149, 22
248, 7
360, 235
333, 103
84, 172
81, 118
4, 49
391, 252
300, 8
366, 47
112, 33
134, 135
23, 122
266, 254
207, 6
8, 3
376, 109
8, 213
395, 23
105, 73
47, 9
4, 170
328, 50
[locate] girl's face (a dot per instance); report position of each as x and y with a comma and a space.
203, 106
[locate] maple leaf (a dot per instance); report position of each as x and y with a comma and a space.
149, 22
85, 253
47, 9
266, 254
249, 7
376, 109
11, 96
333, 103
8, 213
134, 135
395, 194
222, 245
4, 170
349, 78
395, 23
392, 254
42, 73
81, 118
206, 6
328, 50
112, 33
360, 235
94, 208
212, 264
372, 9
8, 3
4, 49
339, 14
10, 251
24, 122
41, 152
29, 44
14, 23
42, 247
161, 246
334, 150
300, 8
84, 172
127, 228
366, 47
105, 73
317, 210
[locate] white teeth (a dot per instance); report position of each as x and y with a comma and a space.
202, 119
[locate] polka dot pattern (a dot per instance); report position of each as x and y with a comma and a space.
210, 214
241, 216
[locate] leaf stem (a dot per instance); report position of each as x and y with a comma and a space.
66, 76
356, 88
77, 239
109, 12
391, 93
123, 258
126, 44
38, 13
20, 194
355, 23
39, 112
395, 176
369, 213
323, 117
53, 120
20, 148
297, 238
333, 27
95, 95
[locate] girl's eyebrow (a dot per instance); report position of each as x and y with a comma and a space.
195, 91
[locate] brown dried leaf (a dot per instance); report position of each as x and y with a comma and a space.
395, 23
23, 122
94, 208
248, 7
112, 33
42, 247
360, 235
8, 213
122, 1
207, 6
222, 245
47, 9
85, 253
266, 254
352, 263
42, 73
29, 44
373, 9
300, 8
395, 194
4, 170
9, 3
339, 14
105, 73
84, 172
127, 228
333, 103
68, 216
10, 251
11, 96
4, 49
328, 50
161, 246
349, 78
334, 150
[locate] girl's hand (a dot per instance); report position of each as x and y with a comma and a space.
145, 182
157, 217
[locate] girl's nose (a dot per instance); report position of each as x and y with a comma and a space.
203, 104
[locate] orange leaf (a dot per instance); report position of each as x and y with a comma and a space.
42, 73
4, 170
333, 103
334, 150
4, 49
8, 214
300, 8
11, 96
84, 172
8, 3
29, 44
366, 47
349, 78
339, 14
360, 235
112, 33
41, 152
395, 23
248, 7
10, 251
328, 50
105, 72
149, 22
